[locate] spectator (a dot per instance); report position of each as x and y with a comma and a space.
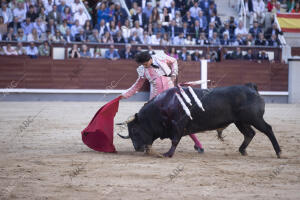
21, 37
237, 54
80, 16
248, 11
75, 28
271, 5
255, 30
81, 36
159, 28
165, 18
173, 30
94, 37
225, 40
204, 4
189, 40
148, 10
75, 7
137, 29
127, 53
297, 8
155, 39
238, 41
32, 50
44, 49
226, 54
6, 13
20, 49
15, 24
134, 38
249, 40
249, 55
232, 26
3, 26
40, 26
261, 41
188, 19
55, 15
273, 30
212, 9
102, 28
273, 41
48, 6
241, 30
196, 56
178, 19
133, 8
97, 53
57, 37
9, 36
146, 39
107, 38
118, 38
186, 29
9, 50
173, 10
74, 52
154, 16
226, 29
68, 36
111, 53
19, 12
262, 55
112, 28
173, 53
202, 40
126, 32
165, 40
215, 19
194, 10
42, 15
63, 27
33, 36
183, 54
109, 12
67, 15
201, 20
85, 53
120, 14
150, 50
88, 28
259, 11
61, 7
179, 40
215, 39
210, 31
27, 26
101, 15
31, 14
51, 26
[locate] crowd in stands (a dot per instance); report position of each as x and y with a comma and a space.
165, 22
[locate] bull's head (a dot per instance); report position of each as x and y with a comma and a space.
135, 134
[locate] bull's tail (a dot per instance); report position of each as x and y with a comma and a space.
252, 85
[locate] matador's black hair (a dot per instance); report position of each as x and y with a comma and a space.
142, 57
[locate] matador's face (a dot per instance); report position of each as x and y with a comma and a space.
148, 63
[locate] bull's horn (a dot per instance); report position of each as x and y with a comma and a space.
131, 118
124, 137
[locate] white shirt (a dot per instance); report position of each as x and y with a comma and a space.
258, 7
75, 7
125, 32
80, 17
75, 29
20, 13
155, 40
195, 11
241, 31
32, 52
138, 30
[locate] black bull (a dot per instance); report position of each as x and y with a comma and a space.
164, 117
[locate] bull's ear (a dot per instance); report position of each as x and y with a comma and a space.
136, 117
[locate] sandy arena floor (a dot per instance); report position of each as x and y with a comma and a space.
42, 157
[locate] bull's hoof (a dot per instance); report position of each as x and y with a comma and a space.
200, 150
243, 152
278, 154
168, 155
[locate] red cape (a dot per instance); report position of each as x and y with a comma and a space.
99, 134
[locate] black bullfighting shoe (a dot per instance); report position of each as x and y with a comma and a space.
200, 150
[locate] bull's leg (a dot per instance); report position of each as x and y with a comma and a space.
175, 140
264, 127
248, 133
198, 146
220, 131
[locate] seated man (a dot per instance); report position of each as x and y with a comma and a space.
111, 53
